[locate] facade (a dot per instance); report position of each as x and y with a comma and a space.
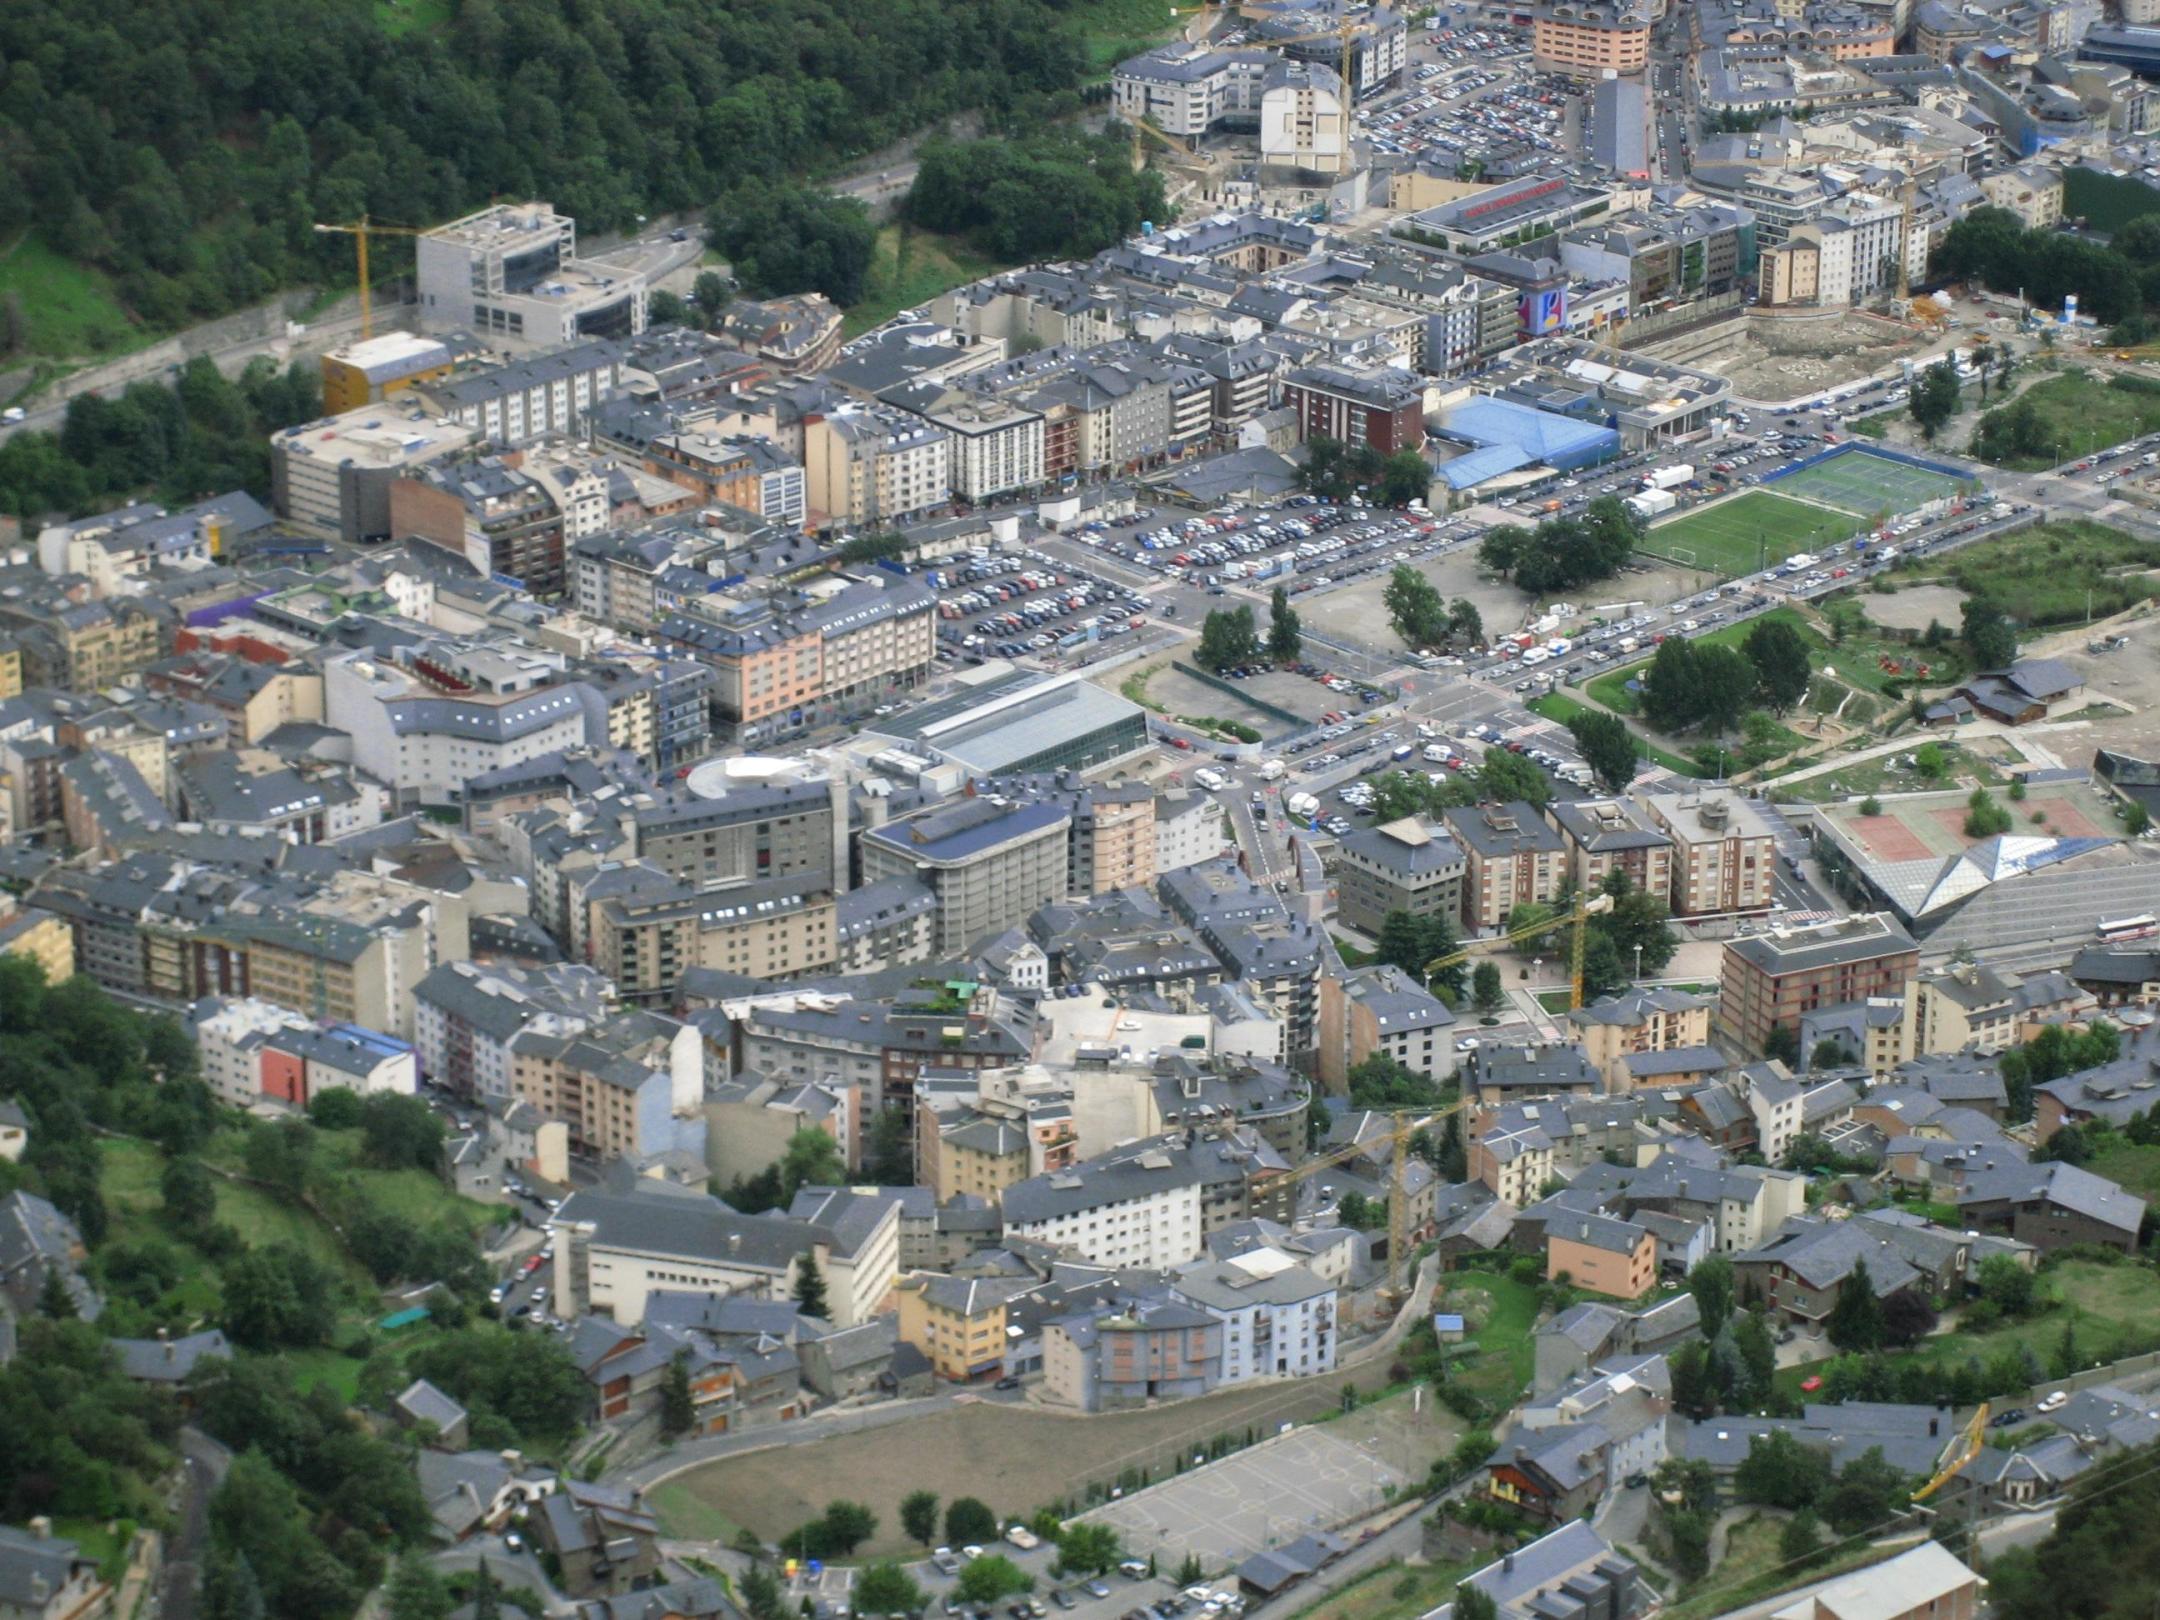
1724, 855
1132, 1356
1191, 90
1769, 980
991, 866
958, 1323
332, 478
866, 465
1409, 865
1615, 1028
530, 398
1382, 1010
1590, 39
1384, 410
1513, 858
511, 275
1278, 1318
997, 445
1605, 836
1605, 1256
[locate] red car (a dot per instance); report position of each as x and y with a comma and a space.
1180, 742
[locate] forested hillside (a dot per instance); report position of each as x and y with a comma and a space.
186, 147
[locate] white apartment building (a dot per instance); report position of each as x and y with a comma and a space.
1278, 1317
426, 736
997, 446
229, 1033
1189, 828
511, 276
1187, 90
512, 404
1140, 1210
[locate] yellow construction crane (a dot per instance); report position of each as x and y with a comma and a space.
1908, 194
1586, 906
1344, 34
1142, 128
360, 230
1407, 1123
1975, 1438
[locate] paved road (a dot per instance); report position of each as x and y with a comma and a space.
203, 1463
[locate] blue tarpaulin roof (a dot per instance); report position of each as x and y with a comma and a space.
1508, 436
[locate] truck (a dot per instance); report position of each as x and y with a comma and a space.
1213, 781
1435, 753
1801, 559
1669, 477
1274, 771
1302, 804
1559, 647
1402, 751
1651, 502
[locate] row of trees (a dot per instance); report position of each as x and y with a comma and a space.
1424, 618
1056, 193
188, 151
1335, 471
1994, 247
1230, 637
1565, 553
1501, 777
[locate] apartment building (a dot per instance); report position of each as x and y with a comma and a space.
1768, 980
1113, 839
1130, 1356
645, 939
614, 1251
733, 470
1278, 1318
1408, 865
795, 659
619, 1088
1605, 836
426, 719
1382, 410
1613, 1029
1605, 1256
958, 1323
1512, 858
1138, 1206
871, 465
1275, 957
1724, 855
511, 275
1963, 1006
1382, 1010
332, 478
794, 337
1588, 39
793, 829
997, 444
466, 1015
1191, 90
514, 525
376, 368
529, 398
255, 699
84, 646
990, 864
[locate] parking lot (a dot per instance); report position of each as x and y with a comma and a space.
1472, 98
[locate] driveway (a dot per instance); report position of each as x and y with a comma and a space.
203, 1463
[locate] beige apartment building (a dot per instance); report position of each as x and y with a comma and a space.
1513, 857
1113, 839
769, 929
869, 465
1588, 39
1615, 1028
1724, 853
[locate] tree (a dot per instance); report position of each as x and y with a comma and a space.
486, 1593
1990, 639
1381, 1081
1466, 627
1725, 684
1856, 1320
1831, 1053
1780, 657
1416, 610
969, 1522
713, 295
1486, 993
2008, 1286
1778, 1471
1508, 777
335, 1108
786, 238
1451, 1160
810, 1286
678, 1407
1935, 397
885, 1588
990, 1578
889, 1152
1405, 476
1361, 1214
1089, 1547
1048, 191
1474, 1603
761, 1595
1907, 1318
918, 1516
417, 1591
1783, 1043
1928, 760
1692, 1391
1607, 746
1710, 1280
1757, 1354
398, 1132
1286, 636
277, 1298
188, 1194
1801, 1540
1984, 818
1227, 639
812, 1159
1869, 1490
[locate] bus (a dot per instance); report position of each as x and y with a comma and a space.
2124, 929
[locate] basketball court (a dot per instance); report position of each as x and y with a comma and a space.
1261, 1497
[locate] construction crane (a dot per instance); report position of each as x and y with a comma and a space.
1344, 34
360, 230
1142, 128
1407, 1123
1908, 194
1975, 1438
1586, 906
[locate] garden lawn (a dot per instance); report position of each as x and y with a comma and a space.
1611, 690
908, 268
98, 1539
1392, 1592
1753, 1569
1506, 1355
2131, 1167
1559, 706
1111, 30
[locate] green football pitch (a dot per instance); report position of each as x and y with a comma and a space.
1861, 481
1751, 531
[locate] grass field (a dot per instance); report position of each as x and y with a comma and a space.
1611, 690
1506, 1354
1392, 1592
129, 1181
908, 269
1111, 30
2131, 1167
1753, 1568
2080, 414
69, 309
1866, 484
2051, 573
1559, 706
1751, 531
98, 1539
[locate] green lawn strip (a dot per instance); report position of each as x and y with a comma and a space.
2043, 575
2132, 1167
1559, 706
908, 268
1753, 1568
1506, 1355
1352, 955
105, 1540
1109, 31
1394, 1591
70, 310
2080, 414
689, 1517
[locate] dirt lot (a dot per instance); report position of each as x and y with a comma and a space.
1915, 607
1018, 1460
1772, 360
1177, 693
1354, 613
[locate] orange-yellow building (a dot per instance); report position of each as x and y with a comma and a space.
1615, 1258
1587, 39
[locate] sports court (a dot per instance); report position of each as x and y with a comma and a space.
1861, 481
1261, 1497
1749, 531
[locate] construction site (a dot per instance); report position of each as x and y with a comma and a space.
1781, 355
